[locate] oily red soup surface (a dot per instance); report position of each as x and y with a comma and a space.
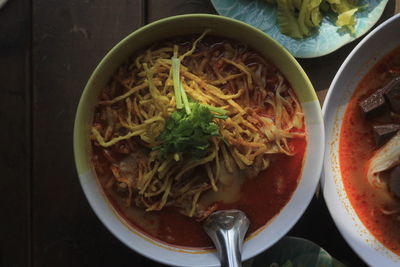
356, 148
262, 198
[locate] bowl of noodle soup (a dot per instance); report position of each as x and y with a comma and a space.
360, 194
183, 118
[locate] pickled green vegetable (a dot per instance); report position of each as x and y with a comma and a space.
287, 20
345, 9
300, 18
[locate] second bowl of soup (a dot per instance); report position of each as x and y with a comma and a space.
362, 172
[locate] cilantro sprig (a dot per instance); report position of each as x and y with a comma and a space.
188, 130
188, 134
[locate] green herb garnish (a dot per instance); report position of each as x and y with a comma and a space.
188, 130
176, 63
188, 134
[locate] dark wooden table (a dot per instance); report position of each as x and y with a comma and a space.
48, 48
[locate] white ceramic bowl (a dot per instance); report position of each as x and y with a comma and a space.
224, 27
365, 55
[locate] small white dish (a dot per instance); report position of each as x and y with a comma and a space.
365, 55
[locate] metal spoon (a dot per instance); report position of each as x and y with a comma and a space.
227, 229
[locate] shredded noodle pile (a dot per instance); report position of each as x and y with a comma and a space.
263, 114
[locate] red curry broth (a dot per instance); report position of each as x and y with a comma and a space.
357, 147
262, 198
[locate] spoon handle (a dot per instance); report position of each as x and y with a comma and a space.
227, 230
229, 250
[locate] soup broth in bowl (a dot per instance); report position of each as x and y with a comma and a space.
369, 136
192, 121
361, 114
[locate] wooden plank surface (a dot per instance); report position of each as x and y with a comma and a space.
15, 24
397, 6
69, 39
158, 9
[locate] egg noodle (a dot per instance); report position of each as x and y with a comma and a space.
262, 112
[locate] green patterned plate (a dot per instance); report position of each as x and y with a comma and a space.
327, 39
294, 252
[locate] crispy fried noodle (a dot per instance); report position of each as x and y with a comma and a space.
260, 115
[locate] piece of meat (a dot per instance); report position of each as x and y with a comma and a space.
373, 105
383, 133
392, 94
203, 213
129, 166
394, 181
